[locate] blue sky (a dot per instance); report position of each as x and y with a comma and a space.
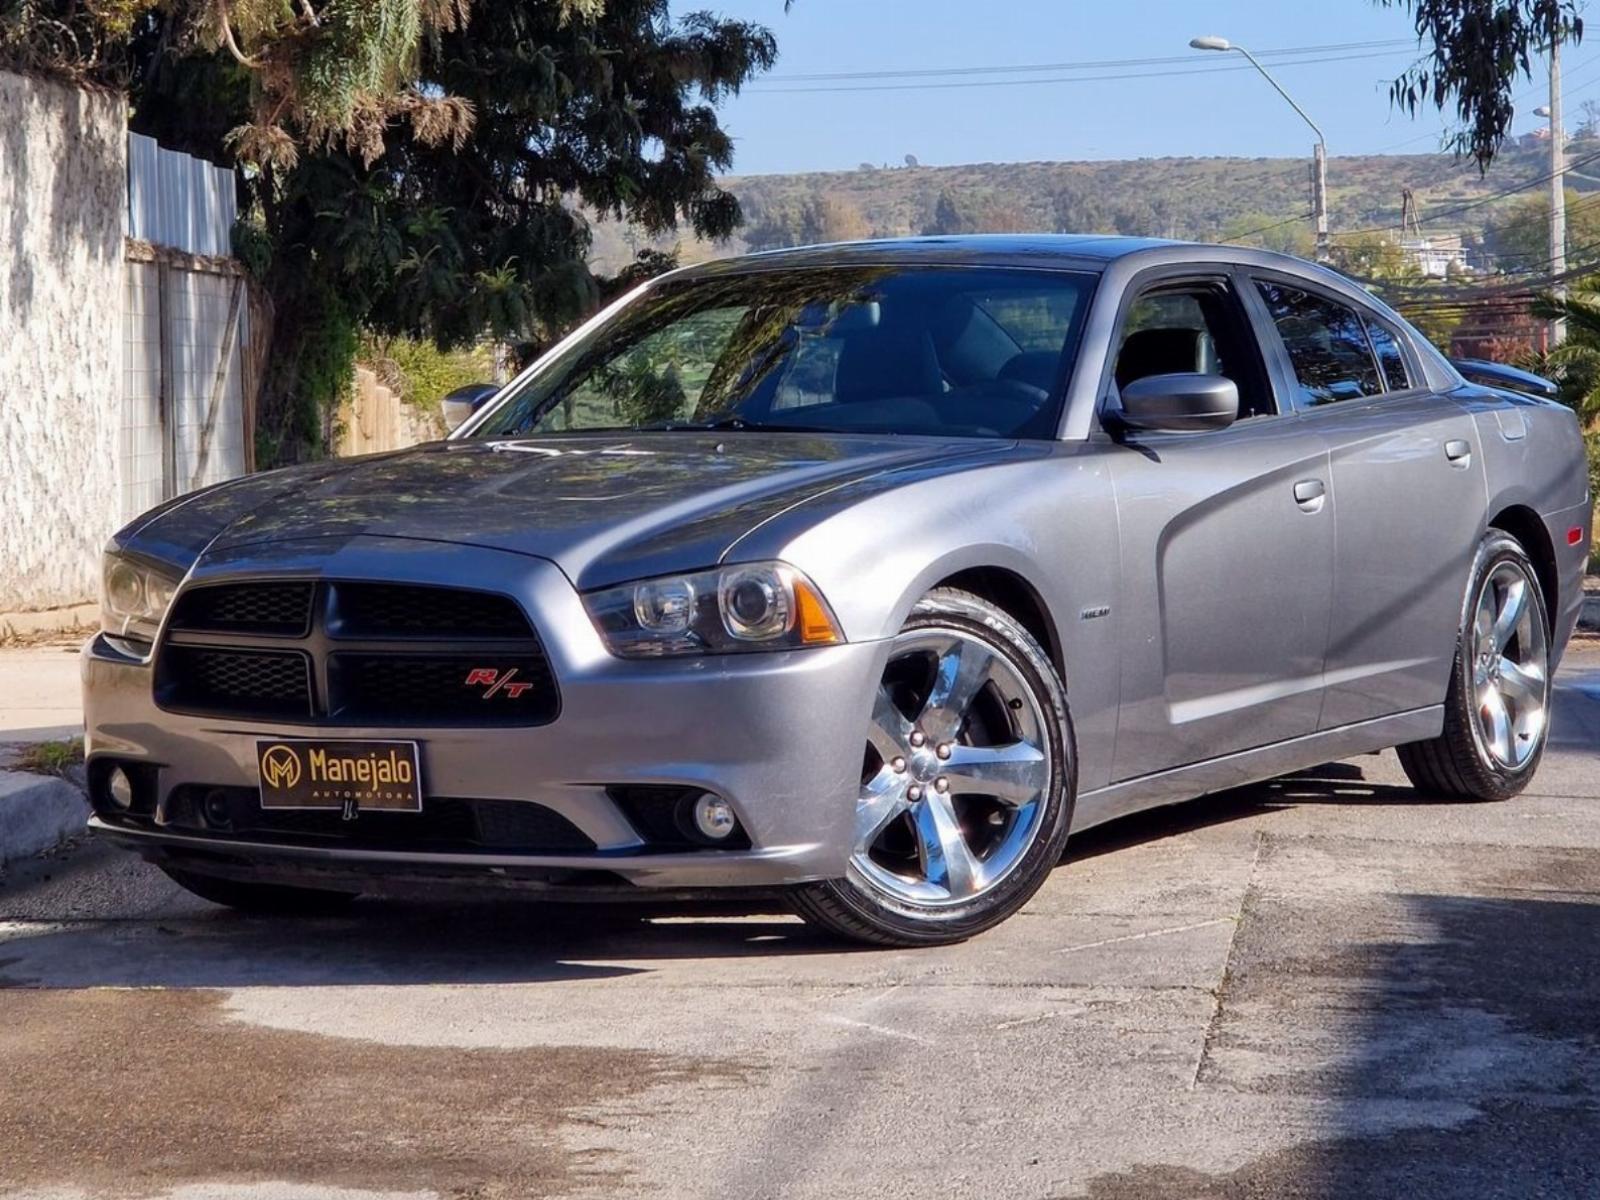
1212, 112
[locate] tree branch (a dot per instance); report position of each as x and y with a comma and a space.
227, 38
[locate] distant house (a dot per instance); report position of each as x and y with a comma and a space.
1436, 256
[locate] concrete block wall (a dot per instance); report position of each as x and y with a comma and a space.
63, 170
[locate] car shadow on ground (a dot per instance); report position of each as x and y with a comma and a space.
191, 944
390, 942
1335, 783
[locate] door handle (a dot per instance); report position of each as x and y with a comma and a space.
1309, 494
1459, 452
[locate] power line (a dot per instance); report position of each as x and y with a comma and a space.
1482, 200
1091, 64
1250, 233
1537, 268
1471, 204
1406, 293
756, 89
1535, 265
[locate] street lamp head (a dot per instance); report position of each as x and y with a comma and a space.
1542, 111
1210, 42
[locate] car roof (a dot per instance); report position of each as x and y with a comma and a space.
1117, 259
1062, 251
1089, 251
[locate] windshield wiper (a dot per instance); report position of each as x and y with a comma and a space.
730, 421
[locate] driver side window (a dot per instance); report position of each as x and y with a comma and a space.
1193, 328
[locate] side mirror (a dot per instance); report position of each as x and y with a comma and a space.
1180, 403
464, 401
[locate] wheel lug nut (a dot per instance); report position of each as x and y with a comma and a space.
914, 793
918, 738
941, 785
899, 765
944, 750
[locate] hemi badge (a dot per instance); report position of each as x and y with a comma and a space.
1098, 610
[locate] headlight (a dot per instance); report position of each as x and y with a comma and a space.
751, 606
135, 597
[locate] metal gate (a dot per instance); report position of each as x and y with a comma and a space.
185, 329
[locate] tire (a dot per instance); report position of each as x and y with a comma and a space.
935, 858
266, 899
1470, 759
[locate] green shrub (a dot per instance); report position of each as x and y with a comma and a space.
420, 373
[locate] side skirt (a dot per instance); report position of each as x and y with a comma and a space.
1253, 766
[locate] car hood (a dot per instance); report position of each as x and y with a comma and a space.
605, 509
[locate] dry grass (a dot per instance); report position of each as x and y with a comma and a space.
49, 758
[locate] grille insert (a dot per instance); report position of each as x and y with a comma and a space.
381, 688
382, 610
336, 652
279, 609
237, 682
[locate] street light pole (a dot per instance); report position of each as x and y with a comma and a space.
1319, 167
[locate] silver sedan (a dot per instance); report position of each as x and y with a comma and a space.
865, 574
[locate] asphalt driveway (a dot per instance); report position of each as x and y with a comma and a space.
1329, 986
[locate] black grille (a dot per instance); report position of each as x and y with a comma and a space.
235, 682
364, 653
444, 824
442, 689
383, 610
280, 609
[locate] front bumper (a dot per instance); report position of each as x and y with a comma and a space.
780, 736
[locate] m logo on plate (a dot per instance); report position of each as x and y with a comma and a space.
280, 767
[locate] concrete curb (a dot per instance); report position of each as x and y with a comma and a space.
37, 812
72, 619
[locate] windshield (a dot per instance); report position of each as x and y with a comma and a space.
971, 352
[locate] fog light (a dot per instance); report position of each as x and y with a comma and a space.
120, 788
218, 812
713, 817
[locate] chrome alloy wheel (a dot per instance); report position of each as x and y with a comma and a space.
956, 771
1510, 667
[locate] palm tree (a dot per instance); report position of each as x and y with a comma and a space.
1575, 364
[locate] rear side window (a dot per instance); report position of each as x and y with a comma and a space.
1390, 359
1327, 345
1036, 319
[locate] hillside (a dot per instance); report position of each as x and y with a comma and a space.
1202, 198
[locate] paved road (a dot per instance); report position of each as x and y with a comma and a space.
1326, 987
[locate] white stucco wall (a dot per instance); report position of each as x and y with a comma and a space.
63, 169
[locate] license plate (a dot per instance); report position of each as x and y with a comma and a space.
347, 775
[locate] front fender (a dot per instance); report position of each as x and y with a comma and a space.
1047, 515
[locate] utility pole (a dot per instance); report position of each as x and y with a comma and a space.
1558, 190
1319, 197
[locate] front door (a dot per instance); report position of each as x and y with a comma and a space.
1227, 549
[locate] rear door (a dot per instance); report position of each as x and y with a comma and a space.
1227, 545
1407, 492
